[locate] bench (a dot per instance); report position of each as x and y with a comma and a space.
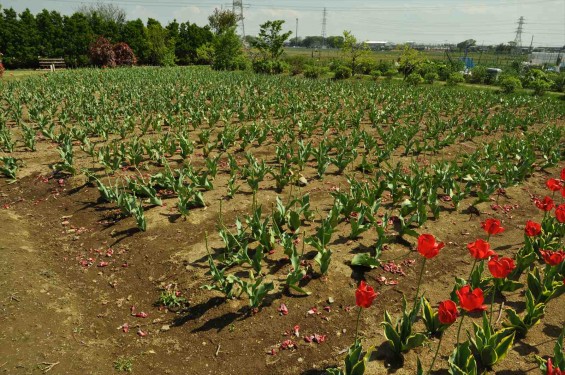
51, 63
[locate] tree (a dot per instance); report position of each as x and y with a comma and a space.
161, 48
102, 54
466, 44
134, 33
409, 61
353, 50
106, 11
190, 38
226, 43
222, 20
124, 54
270, 40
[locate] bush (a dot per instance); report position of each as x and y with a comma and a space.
431, 77
510, 84
365, 65
342, 72
414, 79
313, 72
391, 72
297, 63
376, 74
478, 75
540, 86
101, 53
124, 55
241, 63
383, 66
270, 66
557, 81
455, 78
2, 70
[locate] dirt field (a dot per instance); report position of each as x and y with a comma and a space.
74, 273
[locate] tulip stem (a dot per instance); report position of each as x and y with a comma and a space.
492, 301
472, 269
435, 356
419, 282
458, 333
357, 325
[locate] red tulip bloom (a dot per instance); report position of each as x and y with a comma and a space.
553, 184
553, 370
563, 174
553, 258
364, 295
546, 204
471, 300
428, 247
500, 267
480, 249
532, 228
447, 312
560, 213
492, 226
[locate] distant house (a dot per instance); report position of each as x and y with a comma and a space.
378, 44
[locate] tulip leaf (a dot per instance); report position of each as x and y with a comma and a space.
365, 260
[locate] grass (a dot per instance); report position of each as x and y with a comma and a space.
482, 58
13, 75
123, 364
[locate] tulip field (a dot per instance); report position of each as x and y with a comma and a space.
185, 221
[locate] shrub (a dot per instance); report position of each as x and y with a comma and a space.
414, 79
2, 70
540, 86
124, 55
383, 66
557, 81
270, 66
455, 78
376, 74
431, 77
478, 74
313, 72
365, 65
342, 72
391, 72
298, 64
510, 84
241, 63
101, 53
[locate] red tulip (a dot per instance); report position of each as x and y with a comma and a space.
553, 184
563, 174
480, 249
553, 370
500, 267
553, 258
364, 295
428, 247
471, 300
447, 312
560, 213
546, 204
492, 226
532, 228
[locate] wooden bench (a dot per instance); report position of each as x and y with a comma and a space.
51, 63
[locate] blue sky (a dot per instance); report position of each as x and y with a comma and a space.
431, 21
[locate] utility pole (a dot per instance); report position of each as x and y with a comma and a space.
296, 35
324, 24
518, 39
237, 7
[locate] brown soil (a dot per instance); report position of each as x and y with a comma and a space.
56, 310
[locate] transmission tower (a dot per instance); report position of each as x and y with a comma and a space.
518, 39
237, 8
324, 25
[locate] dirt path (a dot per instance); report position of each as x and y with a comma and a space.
40, 316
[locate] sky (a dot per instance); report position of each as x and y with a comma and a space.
398, 21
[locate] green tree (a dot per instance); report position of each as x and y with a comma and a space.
161, 47
410, 61
353, 50
134, 34
466, 44
270, 41
226, 43
190, 38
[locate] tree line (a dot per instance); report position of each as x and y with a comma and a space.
24, 37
